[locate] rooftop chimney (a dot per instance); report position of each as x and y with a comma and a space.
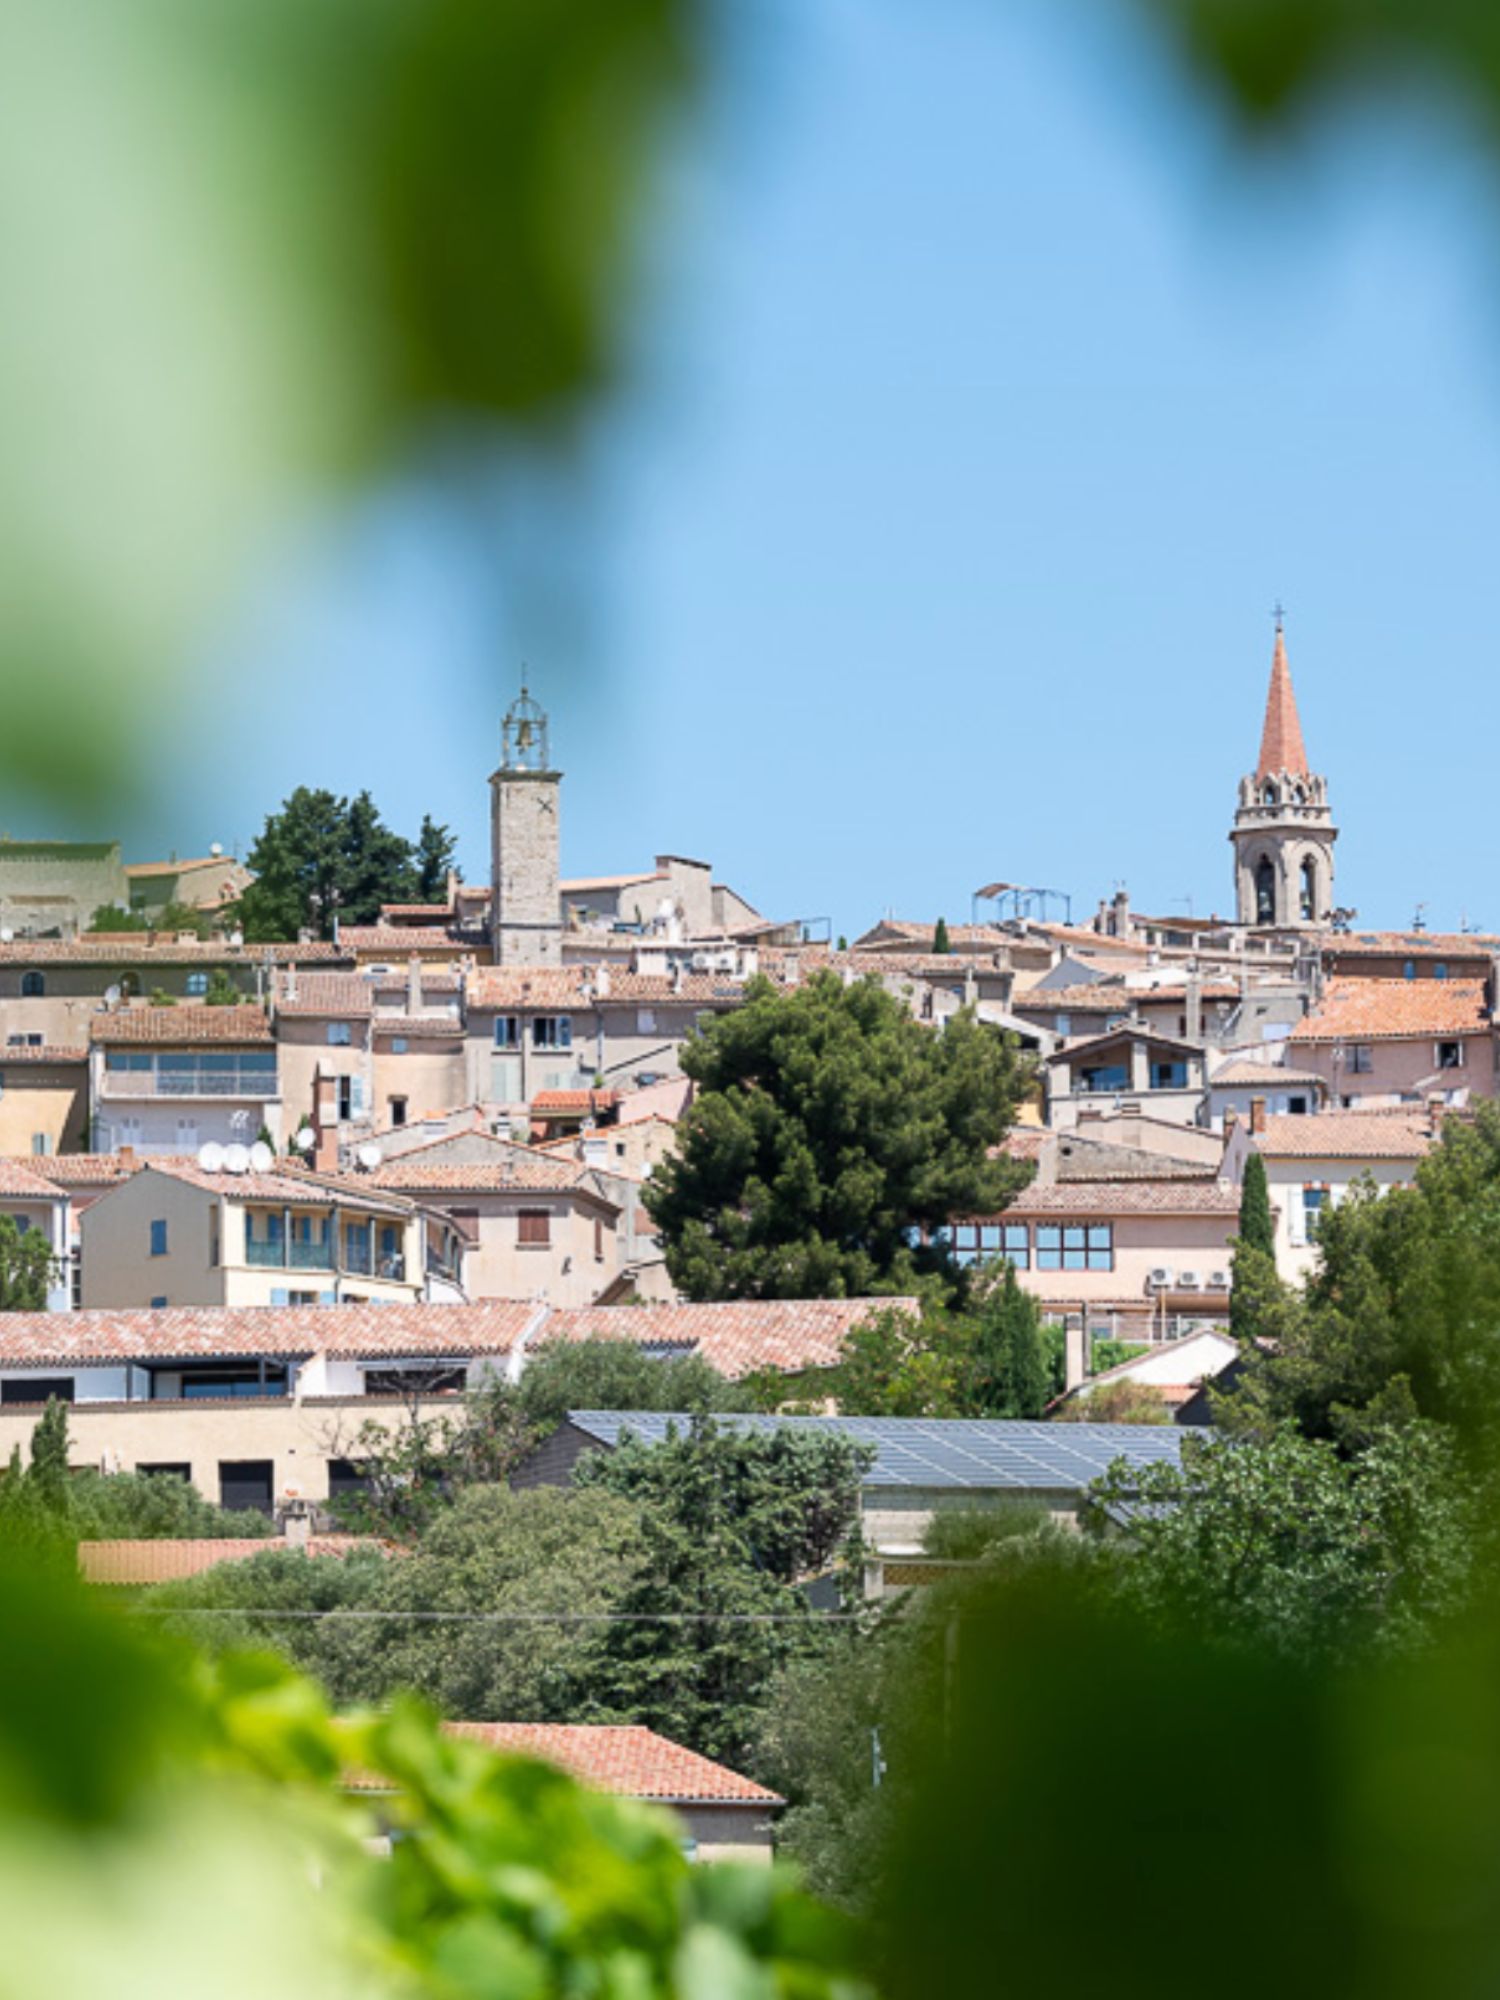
1257, 1114
325, 1120
414, 984
126, 1156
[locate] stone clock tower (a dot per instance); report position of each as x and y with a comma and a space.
525, 902
1283, 831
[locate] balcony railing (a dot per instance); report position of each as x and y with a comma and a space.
256, 1083
355, 1260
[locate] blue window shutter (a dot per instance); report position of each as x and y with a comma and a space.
278, 1295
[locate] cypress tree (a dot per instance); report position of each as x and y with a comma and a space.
1256, 1227
49, 1455
940, 941
1011, 1377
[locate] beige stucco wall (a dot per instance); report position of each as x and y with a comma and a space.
432, 1075
119, 1270
38, 1098
1142, 1244
566, 1272
297, 1437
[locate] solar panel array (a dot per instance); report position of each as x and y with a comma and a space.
989, 1453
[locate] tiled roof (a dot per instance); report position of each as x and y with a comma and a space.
1267, 1076
736, 1337
1412, 944
575, 1100
1024, 1142
626, 1759
92, 1169
419, 1027
146, 869
108, 1334
519, 1176
168, 1560
1079, 939
965, 934
1129, 1197
1281, 734
46, 1053
183, 1026
577, 986
345, 994
401, 940
1108, 998
580, 884
280, 1185
1397, 1134
18, 1177
1372, 1010
132, 947
434, 912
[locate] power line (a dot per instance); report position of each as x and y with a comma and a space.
500, 1617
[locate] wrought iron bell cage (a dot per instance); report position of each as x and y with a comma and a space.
523, 736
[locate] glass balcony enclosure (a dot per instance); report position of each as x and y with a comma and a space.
191, 1073
281, 1239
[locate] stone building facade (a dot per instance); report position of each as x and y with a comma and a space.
525, 909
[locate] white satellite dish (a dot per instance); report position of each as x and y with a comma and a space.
111, 996
368, 1157
236, 1159
7, 936
211, 1157
304, 1139
262, 1159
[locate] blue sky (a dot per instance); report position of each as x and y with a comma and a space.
987, 393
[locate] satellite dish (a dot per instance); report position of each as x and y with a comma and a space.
7, 936
368, 1157
211, 1157
262, 1159
111, 996
304, 1139
236, 1159
216, 848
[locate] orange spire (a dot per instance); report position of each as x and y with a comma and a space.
1281, 739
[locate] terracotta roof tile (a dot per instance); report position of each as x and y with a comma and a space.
79, 1339
346, 994
1268, 1076
1281, 746
137, 947
44, 1053
292, 1183
401, 940
577, 986
626, 1759
183, 1026
19, 1177
1372, 1010
737, 1336
91, 1169
1397, 1134
528, 1176
1129, 1197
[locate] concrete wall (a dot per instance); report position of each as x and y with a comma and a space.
1404, 1070
566, 1272
56, 886
1295, 1252
1142, 1244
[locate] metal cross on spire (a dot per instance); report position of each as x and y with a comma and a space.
1278, 612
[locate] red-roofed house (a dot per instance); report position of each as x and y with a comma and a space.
1393, 1041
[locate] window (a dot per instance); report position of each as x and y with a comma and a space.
213, 1383
1440, 970
213, 1237
552, 1031
159, 1239
534, 1229
1357, 1058
507, 1031
37, 1389
346, 1478
33, 985
1450, 1055
398, 1110
1410, 969
598, 1240
157, 1304
982, 1242
170, 1470
1297, 1106
338, 1034
1065, 1024
466, 1222
1104, 1077
1169, 1076
346, 1099
645, 1021
398, 1045
1308, 899
197, 983
1265, 891
1075, 1246
303, 1298
247, 1484
22, 1222
1314, 1201
41, 1142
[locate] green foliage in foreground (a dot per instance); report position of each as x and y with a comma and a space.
26, 1267
994, 1358
158, 1812
829, 1130
48, 1508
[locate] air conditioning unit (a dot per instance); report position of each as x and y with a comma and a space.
1159, 1279
1218, 1281
1189, 1281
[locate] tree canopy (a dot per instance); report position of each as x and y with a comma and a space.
831, 1140
26, 1267
323, 859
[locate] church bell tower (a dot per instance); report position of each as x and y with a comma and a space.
525, 901
1283, 831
